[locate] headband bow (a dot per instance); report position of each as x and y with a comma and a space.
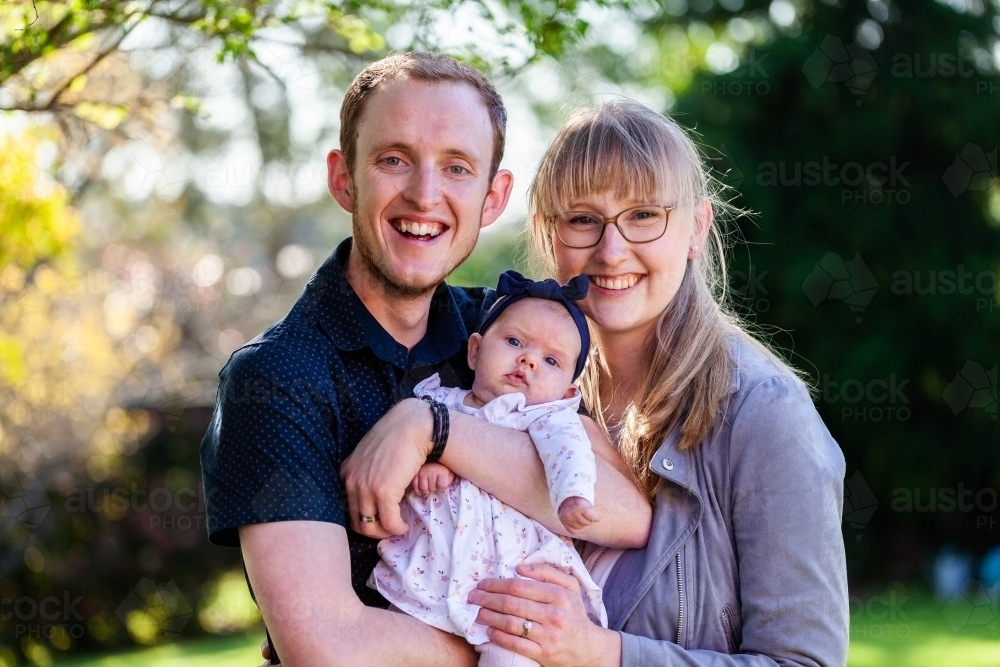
513, 283
512, 287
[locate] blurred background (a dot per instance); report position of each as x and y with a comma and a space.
163, 200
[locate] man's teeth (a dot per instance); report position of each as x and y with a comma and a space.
619, 282
419, 228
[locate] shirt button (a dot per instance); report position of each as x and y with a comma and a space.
668, 464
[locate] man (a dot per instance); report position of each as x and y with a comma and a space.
422, 137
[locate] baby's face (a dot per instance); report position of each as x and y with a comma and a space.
531, 348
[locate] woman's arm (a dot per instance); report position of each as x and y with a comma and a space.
505, 463
501, 461
787, 492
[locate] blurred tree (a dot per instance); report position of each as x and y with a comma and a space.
133, 136
864, 136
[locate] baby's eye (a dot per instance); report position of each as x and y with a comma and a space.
552, 361
514, 341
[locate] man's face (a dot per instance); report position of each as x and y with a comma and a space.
420, 188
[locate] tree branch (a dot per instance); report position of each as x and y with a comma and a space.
100, 56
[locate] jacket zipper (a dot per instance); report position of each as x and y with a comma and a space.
680, 598
730, 637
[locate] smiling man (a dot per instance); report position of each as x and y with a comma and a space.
422, 137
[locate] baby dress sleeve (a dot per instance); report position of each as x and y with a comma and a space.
564, 448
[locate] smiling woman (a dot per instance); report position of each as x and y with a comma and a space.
745, 554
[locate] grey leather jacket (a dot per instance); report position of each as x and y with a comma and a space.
745, 563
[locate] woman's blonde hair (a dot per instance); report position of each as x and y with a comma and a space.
635, 153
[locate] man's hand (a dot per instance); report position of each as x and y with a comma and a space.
383, 464
433, 477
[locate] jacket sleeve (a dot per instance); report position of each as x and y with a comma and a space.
787, 476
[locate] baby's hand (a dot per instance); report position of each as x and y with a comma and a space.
432, 477
577, 513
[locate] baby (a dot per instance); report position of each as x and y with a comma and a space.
527, 353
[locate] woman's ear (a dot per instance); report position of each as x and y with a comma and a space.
704, 216
475, 340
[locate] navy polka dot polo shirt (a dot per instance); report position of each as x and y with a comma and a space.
294, 402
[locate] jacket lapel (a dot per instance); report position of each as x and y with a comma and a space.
676, 514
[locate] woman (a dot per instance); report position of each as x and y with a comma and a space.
746, 554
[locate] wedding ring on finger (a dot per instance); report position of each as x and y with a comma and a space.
527, 629
369, 519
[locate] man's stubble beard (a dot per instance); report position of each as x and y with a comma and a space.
377, 268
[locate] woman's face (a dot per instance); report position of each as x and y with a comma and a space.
632, 283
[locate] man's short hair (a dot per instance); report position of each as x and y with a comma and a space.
419, 66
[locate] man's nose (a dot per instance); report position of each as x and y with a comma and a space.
424, 188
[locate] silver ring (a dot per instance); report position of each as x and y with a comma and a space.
527, 629
369, 519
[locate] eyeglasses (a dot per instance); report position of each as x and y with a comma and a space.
584, 229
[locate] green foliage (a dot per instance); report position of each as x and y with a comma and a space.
36, 220
915, 219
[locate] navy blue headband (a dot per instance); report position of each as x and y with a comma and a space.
513, 287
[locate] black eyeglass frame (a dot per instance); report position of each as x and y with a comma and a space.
612, 221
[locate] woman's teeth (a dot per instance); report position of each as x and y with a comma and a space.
418, 228
619, 282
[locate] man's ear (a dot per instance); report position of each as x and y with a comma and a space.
338, 179
497, 197
475, 340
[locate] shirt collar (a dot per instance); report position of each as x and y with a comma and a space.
346, 320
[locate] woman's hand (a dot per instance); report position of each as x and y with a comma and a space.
561, 634
383, 464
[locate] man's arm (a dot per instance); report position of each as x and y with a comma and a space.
301, 576
501, 461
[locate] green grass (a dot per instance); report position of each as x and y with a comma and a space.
891, 629
234, 651
896, 629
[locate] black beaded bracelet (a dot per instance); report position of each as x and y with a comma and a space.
439, 432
